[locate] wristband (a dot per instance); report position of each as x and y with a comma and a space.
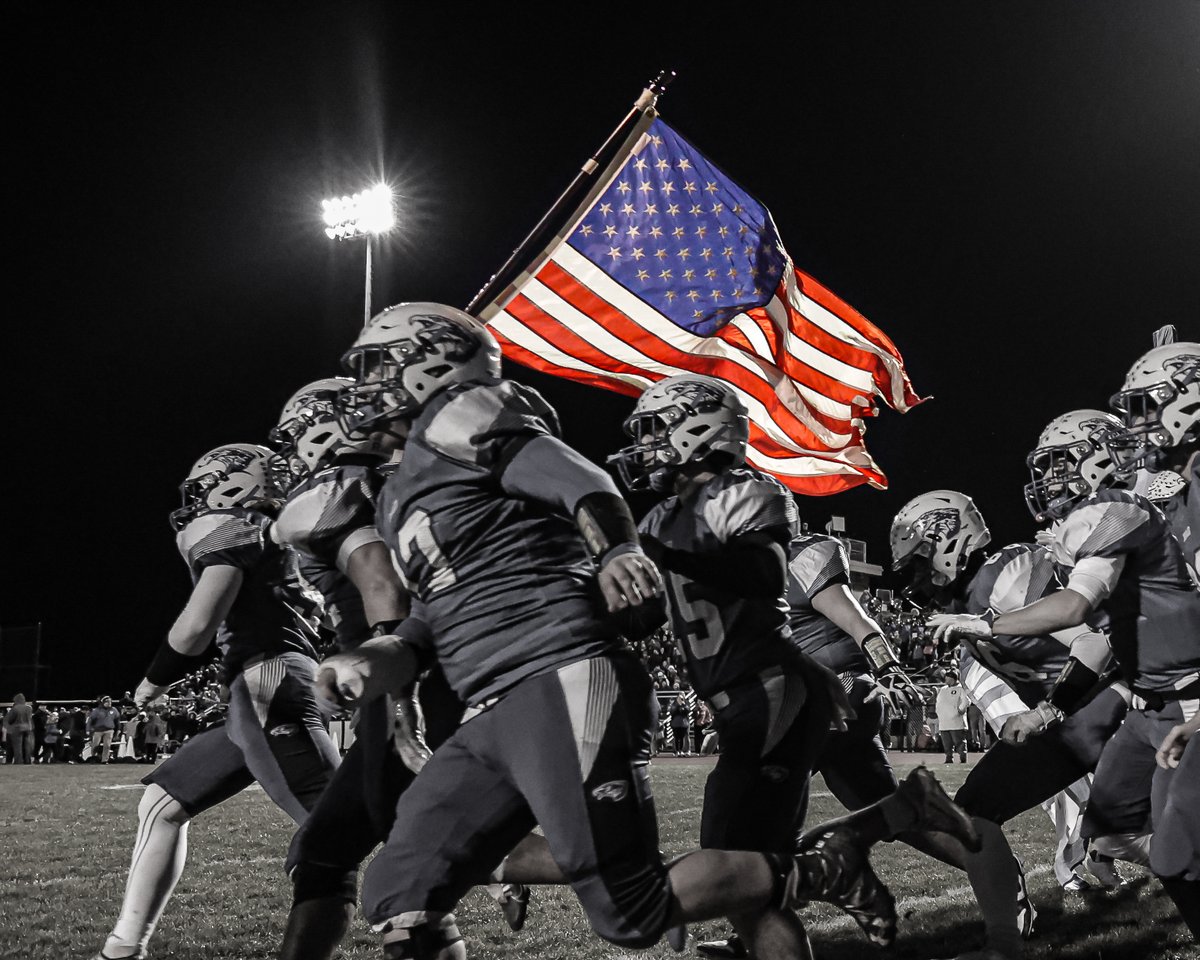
170, 665
605, 522
879, 652
1050, 714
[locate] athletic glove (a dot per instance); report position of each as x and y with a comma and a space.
1021, 726
409, 735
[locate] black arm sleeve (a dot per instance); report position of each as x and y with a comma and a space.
753, 565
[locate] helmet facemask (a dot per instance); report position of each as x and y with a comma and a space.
682, 423
394, 379
308, 440
1157, 417
1061, 475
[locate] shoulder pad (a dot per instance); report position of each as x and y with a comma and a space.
742, 500
474, 417
1105, 524
817, 561
327, 507
221, 537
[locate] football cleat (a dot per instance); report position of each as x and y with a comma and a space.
732, 949
514, 904
140, 954
677, 937
936, 811
1076, 884
1104, 870
833, 867
1026, 912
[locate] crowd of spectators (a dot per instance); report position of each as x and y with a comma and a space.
107, 730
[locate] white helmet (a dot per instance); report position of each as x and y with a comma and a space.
309, 435
1070, 462
408, 354
227, 476
679, 420
1160, 404
945, 527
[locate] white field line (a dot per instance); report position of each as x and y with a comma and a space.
142, 786
909, 903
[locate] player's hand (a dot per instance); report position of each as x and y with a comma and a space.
149, 694
1021, 726
629, 580
1176, 739
410, 733
957, 626
895, 687
379, 666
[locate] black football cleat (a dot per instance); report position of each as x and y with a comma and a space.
515, 905
936, 811
833, 867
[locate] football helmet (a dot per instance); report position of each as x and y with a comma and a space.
1070, 462
943, 526
406, 355
308, 435
680, 420
227, 476
1160, 405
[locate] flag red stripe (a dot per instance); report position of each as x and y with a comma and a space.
819, 293
616, 322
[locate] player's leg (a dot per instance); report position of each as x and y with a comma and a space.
347, 823
452, 828
1175, 801
275, 720
205, 771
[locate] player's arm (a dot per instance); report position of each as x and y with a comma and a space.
212, 597
751, 564
837, 604
544, 468
386, 664
369, 568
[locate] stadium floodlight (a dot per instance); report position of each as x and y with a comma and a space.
365, 214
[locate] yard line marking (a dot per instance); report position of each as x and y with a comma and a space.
902, 906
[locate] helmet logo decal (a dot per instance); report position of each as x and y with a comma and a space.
694, 393
234, 460
937, 525
439, 332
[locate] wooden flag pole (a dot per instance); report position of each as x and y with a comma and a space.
570, 197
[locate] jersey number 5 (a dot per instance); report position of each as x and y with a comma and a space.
700, 620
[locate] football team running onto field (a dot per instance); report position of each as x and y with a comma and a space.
482, 579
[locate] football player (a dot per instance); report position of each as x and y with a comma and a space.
332, 483
275, 732
512, 546
1124, 564
721, 539
1160, 406
942, 535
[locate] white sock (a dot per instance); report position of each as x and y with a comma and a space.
993, 875
158, 858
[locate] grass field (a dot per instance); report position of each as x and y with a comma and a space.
67, 831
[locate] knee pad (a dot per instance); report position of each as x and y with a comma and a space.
418, 936
316, 881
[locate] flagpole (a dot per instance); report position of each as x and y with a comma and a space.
569, 198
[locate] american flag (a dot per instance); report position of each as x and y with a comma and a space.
671, 267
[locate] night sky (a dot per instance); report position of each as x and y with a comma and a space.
1011, 191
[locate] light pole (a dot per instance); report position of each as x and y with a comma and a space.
364, 214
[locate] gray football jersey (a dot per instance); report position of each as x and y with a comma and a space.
326, 518
726, 638
508, 588
1154, 610
816, 562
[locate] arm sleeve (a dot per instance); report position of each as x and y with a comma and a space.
544, 468
750, 566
